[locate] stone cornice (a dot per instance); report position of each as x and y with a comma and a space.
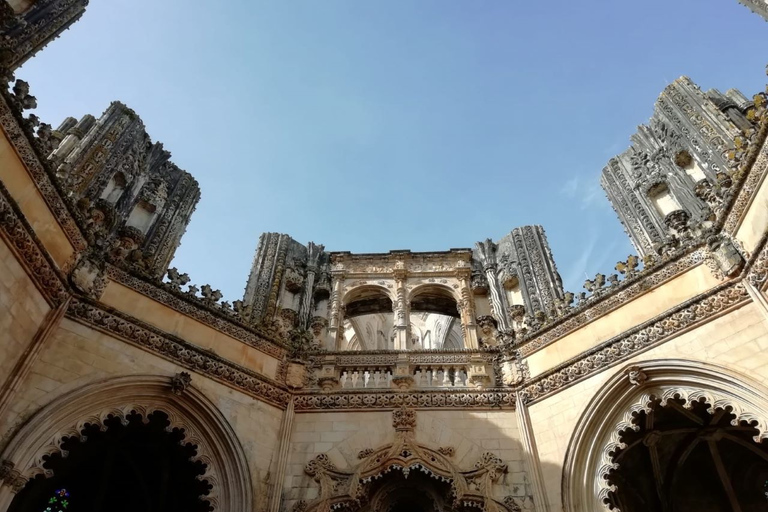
367, 400
177, 350
682, 318
21, 238
193, 309
23, 142
755, 164
627, 290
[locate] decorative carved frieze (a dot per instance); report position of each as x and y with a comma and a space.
628, 289
179, 352
619, 348
20, 236
414, 264
754, 164
468, 399
219, 320
24, 140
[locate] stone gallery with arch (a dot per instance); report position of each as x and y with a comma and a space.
454, 381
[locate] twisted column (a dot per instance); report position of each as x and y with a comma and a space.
487, 253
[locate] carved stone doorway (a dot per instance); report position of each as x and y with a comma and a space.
689, 455
125, 465
416, 493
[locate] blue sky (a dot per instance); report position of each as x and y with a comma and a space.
369, 125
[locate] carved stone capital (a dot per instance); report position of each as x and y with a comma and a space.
328, 382
180, 382
12, 477
403, 382
636, 376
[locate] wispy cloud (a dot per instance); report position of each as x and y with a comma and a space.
577, 269
595, 256
585, 194
571, 187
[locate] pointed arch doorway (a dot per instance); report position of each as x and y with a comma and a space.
126, 465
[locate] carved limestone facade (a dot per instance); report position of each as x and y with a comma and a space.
451, 381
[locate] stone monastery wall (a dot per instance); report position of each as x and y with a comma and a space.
464, 379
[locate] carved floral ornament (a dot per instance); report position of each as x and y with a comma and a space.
203, 425
597, 436
444, 264
340, 489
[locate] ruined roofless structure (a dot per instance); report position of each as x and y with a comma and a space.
457, 381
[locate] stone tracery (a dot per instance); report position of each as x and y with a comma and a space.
352, 489
600, 435
203, 426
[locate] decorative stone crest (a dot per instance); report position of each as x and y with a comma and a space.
295, 375
89, 277
404, 419
342, 488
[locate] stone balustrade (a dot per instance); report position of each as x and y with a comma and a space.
404, 371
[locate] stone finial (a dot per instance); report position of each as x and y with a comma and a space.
486, 251
176, 279
180, 382
404, 419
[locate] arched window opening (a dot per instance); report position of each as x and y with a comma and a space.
368, 320
435, 322
21, 6
321, 298
512, 289
114, 189
662, 199
687, 163
432, 331
434, 300
417, 493
689, 456
132, 465
141, 216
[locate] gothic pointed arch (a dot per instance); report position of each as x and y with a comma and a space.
641, 389
96, 404
357, 487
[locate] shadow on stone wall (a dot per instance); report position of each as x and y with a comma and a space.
480, 451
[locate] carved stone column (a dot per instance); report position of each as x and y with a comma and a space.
531, 455
313, 259
467, 311
487, 253
282, 458
335, 321
401, 311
